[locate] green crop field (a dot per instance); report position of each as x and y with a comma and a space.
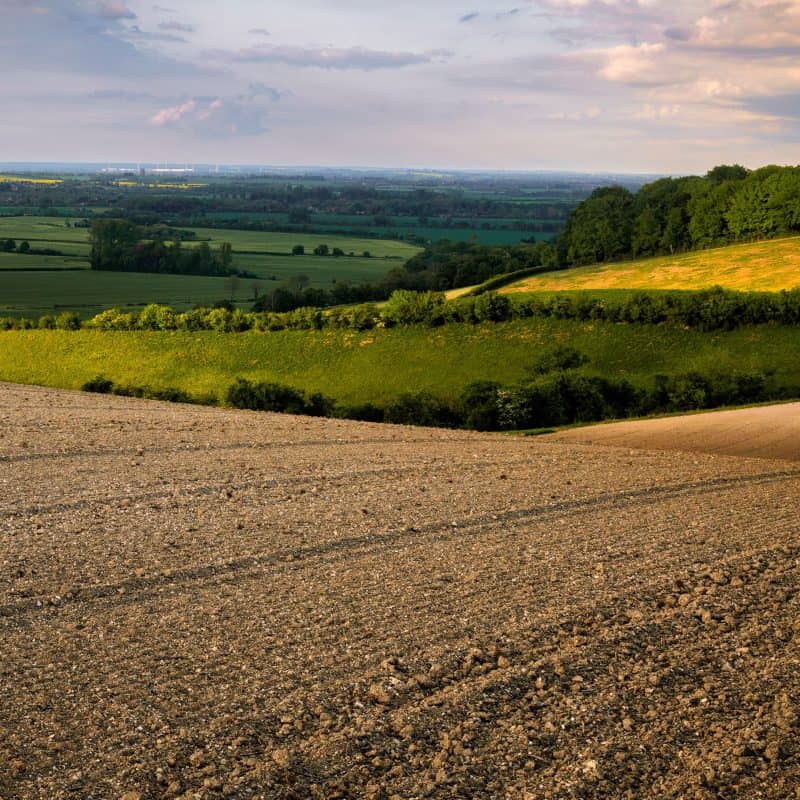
379, 365
763, 266
42, 229
16, 261
268, 242
322, 272
33, 293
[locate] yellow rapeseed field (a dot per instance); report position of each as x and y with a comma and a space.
18, 179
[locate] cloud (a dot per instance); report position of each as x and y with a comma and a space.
469, 17
173, 114
120, 94
83, 37
337, 58
259, 32
678, 34
180, 27
651, 112
220, 117
137, 33
115, 10
589, 113
634, 65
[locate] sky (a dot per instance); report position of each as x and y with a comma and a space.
587, 85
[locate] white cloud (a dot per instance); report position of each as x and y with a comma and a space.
632, 64
173, 114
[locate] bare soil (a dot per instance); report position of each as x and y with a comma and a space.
202, 603
762, 432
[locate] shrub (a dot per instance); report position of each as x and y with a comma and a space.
365, 412
68, 321
276, 397
405, 307
562, 357
155, 317
421, 409
99, 385
479, 406
492, 307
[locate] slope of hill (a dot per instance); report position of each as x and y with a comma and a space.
204, 603
379, 365
763, 266
762, 432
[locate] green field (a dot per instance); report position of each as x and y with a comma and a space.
52, 232
31, 294
379, 365
268, 242
43, 230
29, 285
763, 266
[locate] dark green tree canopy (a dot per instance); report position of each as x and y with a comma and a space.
730, 204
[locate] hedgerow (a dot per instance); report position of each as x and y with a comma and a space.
707, 310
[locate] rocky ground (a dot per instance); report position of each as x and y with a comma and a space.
200, 603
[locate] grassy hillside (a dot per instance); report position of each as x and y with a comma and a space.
763, 266
381, 364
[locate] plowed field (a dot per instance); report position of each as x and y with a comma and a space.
203, 603
762, 432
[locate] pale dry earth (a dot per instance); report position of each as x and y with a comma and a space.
204, 603
761, 432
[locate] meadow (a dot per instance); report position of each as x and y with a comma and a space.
379, 365
760, 266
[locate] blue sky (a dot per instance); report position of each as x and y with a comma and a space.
628, 85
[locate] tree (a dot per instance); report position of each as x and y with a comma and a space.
321, 250
24, 247
112, 242
226, 256
726, 172
298, 250
9, 246
600, 228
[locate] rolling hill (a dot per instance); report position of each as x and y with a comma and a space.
762, 266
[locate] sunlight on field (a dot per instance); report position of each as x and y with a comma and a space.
18, 179
763, 266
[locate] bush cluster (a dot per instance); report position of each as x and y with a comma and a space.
102, 385
266, 396
706, 310
553, 393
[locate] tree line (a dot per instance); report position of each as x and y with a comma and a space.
120, 245
729, 204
